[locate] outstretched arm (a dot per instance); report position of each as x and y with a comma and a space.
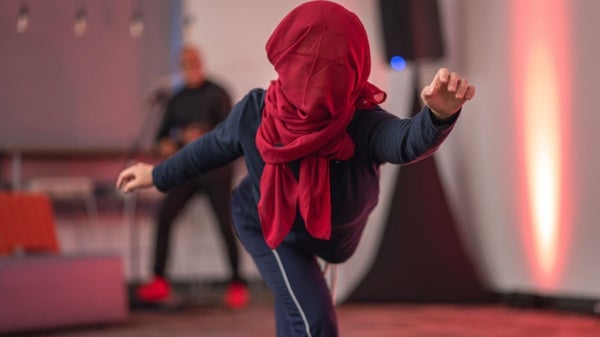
447, 93
135, 177
402, 141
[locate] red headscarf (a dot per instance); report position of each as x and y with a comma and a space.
321, 54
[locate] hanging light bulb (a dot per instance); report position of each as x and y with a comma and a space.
136, 27
188, 21
188, 26
23, 19
80, 26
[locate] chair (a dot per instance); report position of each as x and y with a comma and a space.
65, 188
26, 224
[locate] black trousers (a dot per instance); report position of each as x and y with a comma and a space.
216, 185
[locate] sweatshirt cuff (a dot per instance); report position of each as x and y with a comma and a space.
156, 179
441, 122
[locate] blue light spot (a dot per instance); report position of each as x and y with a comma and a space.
398, 63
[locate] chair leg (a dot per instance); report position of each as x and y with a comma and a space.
129, 220
91, 207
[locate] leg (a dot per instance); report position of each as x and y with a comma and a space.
282, 326
299, 285
158, 288
173, 203
302, 301
217, 187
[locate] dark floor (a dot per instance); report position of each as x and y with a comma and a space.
206, 317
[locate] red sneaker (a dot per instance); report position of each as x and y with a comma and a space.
156, 290
237, 295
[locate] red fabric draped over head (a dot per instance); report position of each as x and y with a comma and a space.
321, 54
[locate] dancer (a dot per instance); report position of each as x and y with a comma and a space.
313, 142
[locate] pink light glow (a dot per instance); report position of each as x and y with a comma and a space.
540, 64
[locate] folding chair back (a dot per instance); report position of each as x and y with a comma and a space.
27, 224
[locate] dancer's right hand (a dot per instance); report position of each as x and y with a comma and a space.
135, 177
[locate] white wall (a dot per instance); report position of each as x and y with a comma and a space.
480, 164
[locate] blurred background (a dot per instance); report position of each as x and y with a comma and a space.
514, 187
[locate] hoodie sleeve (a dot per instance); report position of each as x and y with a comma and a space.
390, 139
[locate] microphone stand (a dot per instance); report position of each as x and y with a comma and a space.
157, 102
